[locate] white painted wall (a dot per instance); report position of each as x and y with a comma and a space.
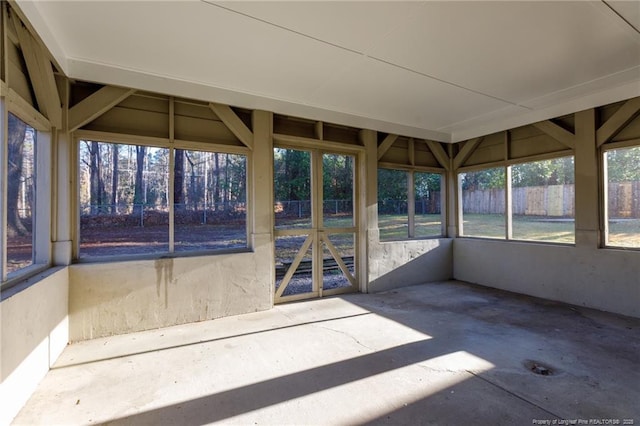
605, 279
34, 330
123, 297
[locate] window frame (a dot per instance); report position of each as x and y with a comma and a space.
507, 166
411, 188
41, 251
604, 189
162, 143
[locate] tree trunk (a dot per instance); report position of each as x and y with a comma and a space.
96, 183
114, 179
138, 192
16, 134
178, 180
193, 193
216, 181
226, 183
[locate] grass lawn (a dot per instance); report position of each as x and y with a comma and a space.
624, 233
528, 228
395, 227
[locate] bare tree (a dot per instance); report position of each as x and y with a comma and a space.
114, 178
216, 183
178, 180
95, 173
16, 135
138, 193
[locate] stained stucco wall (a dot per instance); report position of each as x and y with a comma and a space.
604, 279
402, 263
123, 297
33, 332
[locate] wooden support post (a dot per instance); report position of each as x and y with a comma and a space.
586, 178
4, 123
260, 221
317, 220
412, 152
172, 177
452, 205
369, 139
508, 196
604, 188
411, 204
64, 209
508, 204
4, 57
319, 130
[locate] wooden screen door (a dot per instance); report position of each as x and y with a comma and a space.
315, 223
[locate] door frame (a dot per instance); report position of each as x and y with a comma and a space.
317, 148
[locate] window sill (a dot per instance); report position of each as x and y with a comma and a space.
26, 278
158, 256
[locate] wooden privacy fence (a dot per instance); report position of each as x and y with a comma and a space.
624, 199
552, 200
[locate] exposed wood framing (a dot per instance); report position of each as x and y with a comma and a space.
41, 75
412, 152
233, 122
26, 112
556, 132
466, 152
95, 105
618, 121
297, 142
98, 135
386, 144
438, 151
3, 42
294, 265
336, 255
507, 145
398, 166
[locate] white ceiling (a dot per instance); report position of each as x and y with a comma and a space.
446, 70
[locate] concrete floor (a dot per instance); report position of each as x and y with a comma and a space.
441, 353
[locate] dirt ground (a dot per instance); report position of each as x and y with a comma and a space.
155, 239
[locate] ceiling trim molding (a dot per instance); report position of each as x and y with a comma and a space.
108, 74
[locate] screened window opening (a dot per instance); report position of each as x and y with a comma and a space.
210, 200
623, 197
21, 195
543, 199
483, 203
125, 196
409, 204
428, 213
292, 188
393, 213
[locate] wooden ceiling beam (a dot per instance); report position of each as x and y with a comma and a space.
466, 152
618, 121
556, 132
233, 123
40, 74
96, 104
439, 153
386, 144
